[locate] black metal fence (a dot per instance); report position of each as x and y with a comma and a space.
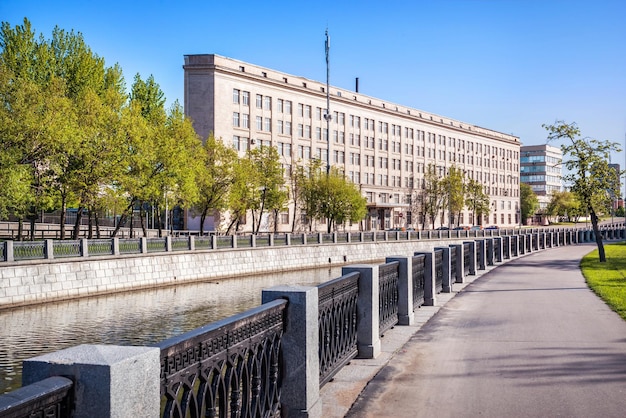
438, 255
48, 398
228, 368
337, 324
388, 296
418, 266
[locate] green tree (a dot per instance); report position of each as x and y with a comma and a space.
339, 201
591, 178
476, 200
267, 185
453, 186
433, 195
529, 203
563, 203
216, 177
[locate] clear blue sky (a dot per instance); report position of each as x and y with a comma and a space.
507, 65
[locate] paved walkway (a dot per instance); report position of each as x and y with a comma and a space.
525, 339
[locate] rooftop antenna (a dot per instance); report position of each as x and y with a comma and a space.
327, 116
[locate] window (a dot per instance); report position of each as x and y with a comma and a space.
245, 121
267, 103
259, 123
318, 133
236, 96
300, 130
279, 105
236, 119
307, 111
268, 124
245, 96
259, 101
279, 126
307, 131
288, 107
287, 128
300, 109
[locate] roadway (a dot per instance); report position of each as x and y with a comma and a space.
525, 339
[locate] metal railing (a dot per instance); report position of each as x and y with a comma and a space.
438, 255
418, 266
227, 368
388, 276
337, 320
51, 397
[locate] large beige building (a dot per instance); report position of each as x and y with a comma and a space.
382, 147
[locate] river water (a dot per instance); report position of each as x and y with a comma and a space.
138, 317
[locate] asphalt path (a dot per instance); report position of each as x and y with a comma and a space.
527, 339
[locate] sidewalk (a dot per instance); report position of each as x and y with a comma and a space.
524, 339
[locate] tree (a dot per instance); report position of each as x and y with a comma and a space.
216, 177
454, 188
267, 186
591, 178
529, 203
433, 196
564, 203
476, 200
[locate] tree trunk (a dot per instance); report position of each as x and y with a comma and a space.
142, 220
202, 219
62, 220
20, 229
123, 219
96, 219
596, 232
79, 217
90, 224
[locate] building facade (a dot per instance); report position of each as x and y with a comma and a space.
382, 147
542, 169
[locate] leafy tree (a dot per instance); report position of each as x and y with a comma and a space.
476, 200
215, 178
453, 186
268, 182
529, 203
433, 196
563, 203
591, 178
339, 200
242, 193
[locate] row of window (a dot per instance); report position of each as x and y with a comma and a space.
285, 107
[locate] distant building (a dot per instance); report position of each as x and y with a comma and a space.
382, 147
618, 202
541, 167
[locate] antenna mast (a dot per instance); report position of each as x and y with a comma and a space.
327, 114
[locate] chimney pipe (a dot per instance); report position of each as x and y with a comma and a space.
357, 84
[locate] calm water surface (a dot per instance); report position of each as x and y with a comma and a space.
131, 318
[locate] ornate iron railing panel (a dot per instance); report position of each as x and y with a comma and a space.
438, 270
497, 249
327, 238
203, 243
48, 398
403, 235
66, 248
3, 251
534, 242
156, 245
280, 239
506, 247
453, 256
562, 238
342, 236
312, 239
298, 239
225, 241
417, 275
244, 241
29, 250
380, 236
542, 241
262, 241
100, 247
130, 246
388, 276
355, 236
180, 243
229, 368
369, 236
514, 243
467, 254
337, 324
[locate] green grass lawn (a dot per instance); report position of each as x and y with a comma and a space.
608, 280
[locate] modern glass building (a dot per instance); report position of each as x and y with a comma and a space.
382, 147
541, 167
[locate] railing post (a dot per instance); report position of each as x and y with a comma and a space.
482, 253
335, 237
84, 247
144, 245
9, 255
368, 338
300, 348
234, 241
252, 240
49, 249
405, 289
447, 280
472, 258
192, 243
109, 381
271, 237
116, 246
430, 293
168, 243
288, 240
213, 241
497, 249
320, 238
460, 264
489, 251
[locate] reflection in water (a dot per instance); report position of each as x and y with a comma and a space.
132, 318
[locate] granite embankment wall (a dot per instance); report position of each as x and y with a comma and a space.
32, 282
